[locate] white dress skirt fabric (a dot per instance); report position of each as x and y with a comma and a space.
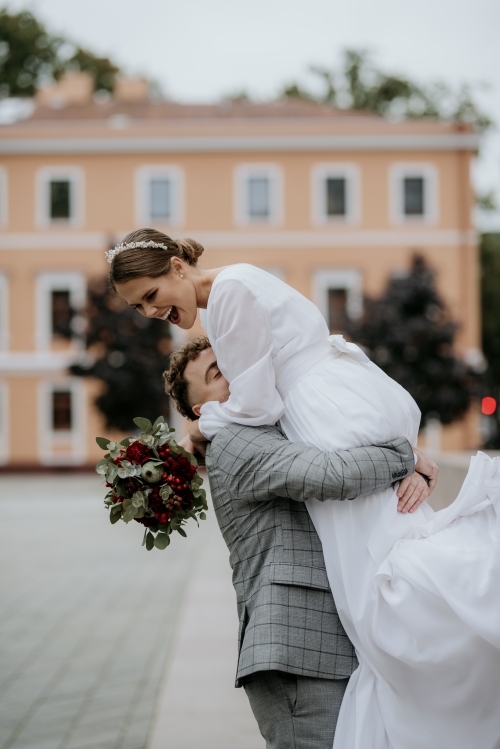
418, 594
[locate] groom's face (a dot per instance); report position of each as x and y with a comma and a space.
205, 381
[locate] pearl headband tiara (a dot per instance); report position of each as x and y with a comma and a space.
111, 254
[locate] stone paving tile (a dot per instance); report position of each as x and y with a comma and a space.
87, 617
199, 708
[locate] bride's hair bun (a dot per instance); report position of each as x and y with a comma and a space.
149, 254
191, 249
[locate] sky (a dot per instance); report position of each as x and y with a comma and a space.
202, 50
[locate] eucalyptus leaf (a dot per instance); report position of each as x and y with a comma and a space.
121, 489
150, 541
182, 532
125, 442
159, 420
103, 442
162, 541
144, 537
111, 473
143, 423
203, 516
129, 513
115, 517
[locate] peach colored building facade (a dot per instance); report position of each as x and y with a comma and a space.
332, 202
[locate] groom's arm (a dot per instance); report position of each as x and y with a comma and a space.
258, 463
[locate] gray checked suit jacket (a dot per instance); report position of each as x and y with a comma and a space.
259, 481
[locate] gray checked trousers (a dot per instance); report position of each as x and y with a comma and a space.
295, 712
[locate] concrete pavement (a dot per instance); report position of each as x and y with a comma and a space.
91, 621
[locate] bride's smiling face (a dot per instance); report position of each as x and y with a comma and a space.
171, 297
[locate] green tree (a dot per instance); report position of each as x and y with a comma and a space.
490, 312
30, 55
410, 335
128, 353
27, 54
360, 85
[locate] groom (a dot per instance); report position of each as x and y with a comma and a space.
295, 658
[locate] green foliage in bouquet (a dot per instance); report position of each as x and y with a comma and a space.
152, 480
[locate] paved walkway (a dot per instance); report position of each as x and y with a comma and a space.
199, 706
91, 623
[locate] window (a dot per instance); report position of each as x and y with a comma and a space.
61, 314
62, 407
258, 194
335, 193
60, 196
60, 199
413, 193
160, 199
59, 298
336, 196
337, 310
61, 411
413, 188
338, 294
4, 196
4, 313
159, 195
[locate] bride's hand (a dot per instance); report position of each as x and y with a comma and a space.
412, 491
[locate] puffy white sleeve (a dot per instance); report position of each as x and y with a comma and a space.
243, 343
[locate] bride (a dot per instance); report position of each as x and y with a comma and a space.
418, 593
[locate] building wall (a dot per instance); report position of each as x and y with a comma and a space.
371, 247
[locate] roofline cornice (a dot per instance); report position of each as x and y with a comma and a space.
240, 143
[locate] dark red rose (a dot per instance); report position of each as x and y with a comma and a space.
138, 453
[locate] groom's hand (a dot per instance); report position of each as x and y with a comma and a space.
412, 491
427, 468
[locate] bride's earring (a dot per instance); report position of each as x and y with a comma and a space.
180, 275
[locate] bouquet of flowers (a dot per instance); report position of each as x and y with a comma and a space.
152, 480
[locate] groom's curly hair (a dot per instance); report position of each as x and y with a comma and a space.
176, 385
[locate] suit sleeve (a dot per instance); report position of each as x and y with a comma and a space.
272, 466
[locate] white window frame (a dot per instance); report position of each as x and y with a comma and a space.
349, 279
429, 173
4, 422
319, 174
73, 439
4, 197
74, 175
273, 172
143, 176
46, 283
4, 312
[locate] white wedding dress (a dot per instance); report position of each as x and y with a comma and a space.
418, 594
